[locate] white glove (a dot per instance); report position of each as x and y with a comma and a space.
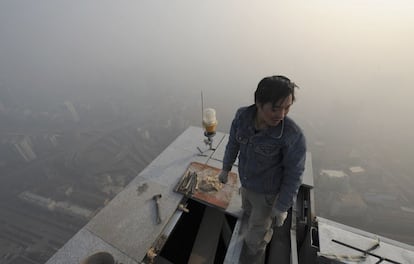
279, 217
223, 176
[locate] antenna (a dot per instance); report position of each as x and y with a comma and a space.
202, 107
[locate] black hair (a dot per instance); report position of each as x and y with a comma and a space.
273, 89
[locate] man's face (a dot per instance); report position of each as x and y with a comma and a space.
271, 114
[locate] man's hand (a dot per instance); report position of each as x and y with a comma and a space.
279, 216
223, 176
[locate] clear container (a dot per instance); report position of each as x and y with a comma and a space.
209, 120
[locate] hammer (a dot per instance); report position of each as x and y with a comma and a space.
156, 198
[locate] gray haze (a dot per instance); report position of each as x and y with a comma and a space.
353, 61
354, 54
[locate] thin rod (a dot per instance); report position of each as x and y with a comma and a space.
202, 106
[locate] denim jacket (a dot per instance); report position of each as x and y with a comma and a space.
271, 161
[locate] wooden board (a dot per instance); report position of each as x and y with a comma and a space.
205, 245
207, 176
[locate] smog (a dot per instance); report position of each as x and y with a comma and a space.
91, 92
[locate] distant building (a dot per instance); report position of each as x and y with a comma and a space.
52, 139
348, 205
334, 180
333, 173
381, 199
63, 207
355, 154
356, 169
24, 147
72, 111
407, 209
319, 143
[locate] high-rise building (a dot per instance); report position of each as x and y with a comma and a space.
24, 148
72, 111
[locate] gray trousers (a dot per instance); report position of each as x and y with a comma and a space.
258, 231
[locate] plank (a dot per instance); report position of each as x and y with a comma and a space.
205, 245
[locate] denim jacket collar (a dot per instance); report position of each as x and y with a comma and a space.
273, 132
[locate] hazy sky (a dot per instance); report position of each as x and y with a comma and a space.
353, 59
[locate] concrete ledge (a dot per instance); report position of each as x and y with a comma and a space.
84, 244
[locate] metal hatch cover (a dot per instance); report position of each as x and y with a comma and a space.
200, 182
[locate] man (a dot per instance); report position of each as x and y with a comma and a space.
272, 151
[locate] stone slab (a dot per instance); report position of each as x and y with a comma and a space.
126, 226
128, 222
193, 137
390, 249
83, 244
170, 165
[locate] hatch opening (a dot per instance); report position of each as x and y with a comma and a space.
201, 234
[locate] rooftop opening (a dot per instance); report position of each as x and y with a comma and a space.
202, 234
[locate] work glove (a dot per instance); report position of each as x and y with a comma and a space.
223, 176
279, 217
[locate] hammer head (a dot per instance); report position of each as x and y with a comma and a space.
156, 197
